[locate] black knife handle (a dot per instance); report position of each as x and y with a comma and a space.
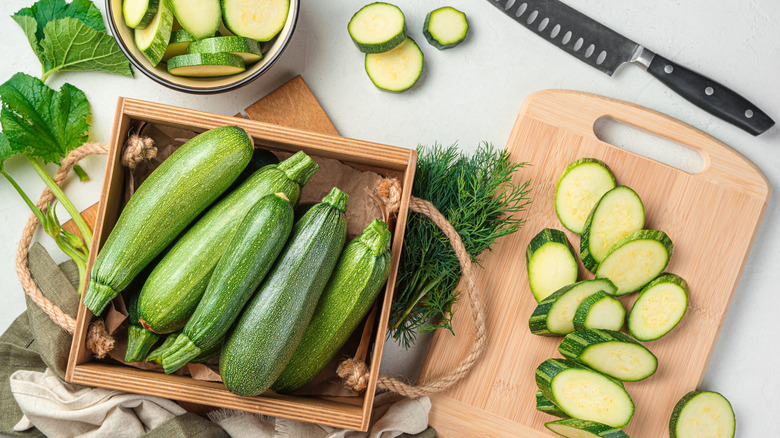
715, 98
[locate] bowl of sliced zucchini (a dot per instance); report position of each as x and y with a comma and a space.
203, 46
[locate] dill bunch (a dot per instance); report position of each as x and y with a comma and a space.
478, 197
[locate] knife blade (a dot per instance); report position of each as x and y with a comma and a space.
604, 49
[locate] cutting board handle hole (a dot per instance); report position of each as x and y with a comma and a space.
649, 145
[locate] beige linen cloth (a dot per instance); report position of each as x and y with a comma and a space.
59, 410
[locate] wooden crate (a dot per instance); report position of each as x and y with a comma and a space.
347, 412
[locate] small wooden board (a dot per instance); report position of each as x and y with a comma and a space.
712, 218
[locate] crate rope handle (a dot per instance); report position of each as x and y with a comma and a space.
355, 372
99, 342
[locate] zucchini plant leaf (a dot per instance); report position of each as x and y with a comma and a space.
29, 26
5, 150
45, 11
69, 44
41, 122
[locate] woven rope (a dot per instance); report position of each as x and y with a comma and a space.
355, 373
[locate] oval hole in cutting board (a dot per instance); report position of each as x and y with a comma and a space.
648, 145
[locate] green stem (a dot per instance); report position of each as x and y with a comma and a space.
81, 173
79, 258
86, 233
36, 211
46, 74
417, 299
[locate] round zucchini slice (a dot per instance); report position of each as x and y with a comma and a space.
205, 65
659, 308
396, 70
581, 185
445, 27
260, 20
377, 28
247, 49
702, 414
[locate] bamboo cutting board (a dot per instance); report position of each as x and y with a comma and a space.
712, 218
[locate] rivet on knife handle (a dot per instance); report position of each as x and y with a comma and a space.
711, 96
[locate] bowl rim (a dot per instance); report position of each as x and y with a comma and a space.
213, 90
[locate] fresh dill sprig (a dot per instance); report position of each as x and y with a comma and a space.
480, 198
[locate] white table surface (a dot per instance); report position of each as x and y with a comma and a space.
472, 93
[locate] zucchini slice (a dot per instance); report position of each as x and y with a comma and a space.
636, 260
702, 414
153, 39
610, 352
377, 28
180, 42
205, 65
248, 49
582, 393
200, 18
396, 70
445, 27
659, 308
579, 188
139, 13
576, 428
260, 20
599, 311
617, 214
550, 263
554, 316
548, 407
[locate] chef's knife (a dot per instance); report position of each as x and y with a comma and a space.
603, 48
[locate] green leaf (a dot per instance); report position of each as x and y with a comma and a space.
40, 122
71, 45
5, 150
29, 26
45, 11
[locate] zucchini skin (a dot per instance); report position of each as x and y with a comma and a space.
583, 310
272, 324
256, 243
170, 198
548, 407
597, 429
177, 283
537, 323
362, 270
432, 39
575, 344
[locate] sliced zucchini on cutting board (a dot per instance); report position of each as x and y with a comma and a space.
610, 352
200, 18
659, 308
554, 316
396, 70
576, 428
581, 185
636, 260
599, 311
548, 407
583, 393
445, 27
205, 65
702, 414
617, 214
260, 20
247, 49
180, 42
139, 13
152, 40
550, 263
377, 28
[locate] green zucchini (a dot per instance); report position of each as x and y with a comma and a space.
377, 28
272, 324
445, 27
178, 45
576, 428
248, 49
362, 270
256, 243
260, 20
396, 70
139, 341
546, 406
170, 198
618, 213
205, 65
260, 158
139, 13
176, 285
601, 311
201, 18
554, 316
636, 260
550, 262
152, 40
579, 188
610, 352
659, 308
582, 393
702, 414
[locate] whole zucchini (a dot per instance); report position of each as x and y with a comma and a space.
361, 272
164, 204
257, 242
177, 283
270, 327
